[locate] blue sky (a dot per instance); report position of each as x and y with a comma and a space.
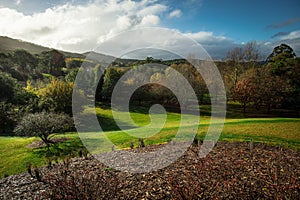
219, 25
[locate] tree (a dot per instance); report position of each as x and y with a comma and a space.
244, 92
71, 76
271, 91
260, 86
52, 62
7, 87
251, 53
281, 60
8, 117
73, 63
43, 125
193, 77
282, 50
239, 60
111, 77
56, 96
284, 64
25, 60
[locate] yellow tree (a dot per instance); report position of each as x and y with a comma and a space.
56, 96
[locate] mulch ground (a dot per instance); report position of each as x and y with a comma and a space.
229, 171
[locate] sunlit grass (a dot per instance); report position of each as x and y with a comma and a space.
14, 154
274, 131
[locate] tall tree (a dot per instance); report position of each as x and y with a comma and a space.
111, 77
24, 60
240, 59
251, 53
281, 59
283, 50
244, 92
52, 62
284, 64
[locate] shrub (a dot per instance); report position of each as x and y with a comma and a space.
68, 181
56, 96
141, 142
8, 117
43, 125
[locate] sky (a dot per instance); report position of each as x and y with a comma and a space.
218, 25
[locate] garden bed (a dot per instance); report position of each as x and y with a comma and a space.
231, 171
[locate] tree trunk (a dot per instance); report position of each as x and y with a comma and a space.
47, 141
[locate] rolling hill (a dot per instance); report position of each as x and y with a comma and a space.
9, 44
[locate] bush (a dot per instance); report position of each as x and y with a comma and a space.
43, 125
68, 181
56, 96
8, 87
8, 117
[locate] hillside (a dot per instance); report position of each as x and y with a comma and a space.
9, 44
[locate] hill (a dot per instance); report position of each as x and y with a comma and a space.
9, 44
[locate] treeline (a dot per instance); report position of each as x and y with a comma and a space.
270, 84
44, 82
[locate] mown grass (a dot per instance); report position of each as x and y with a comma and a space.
274, 131
14, 153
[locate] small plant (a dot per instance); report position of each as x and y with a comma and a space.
37, 174
71, 182
251, 146
195, 141
29, 169
131, 145
141, 142
49, 165
80, 153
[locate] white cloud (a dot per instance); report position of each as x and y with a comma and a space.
175, 14
292, 35
80, 27
150, 20
216, 46
205, 37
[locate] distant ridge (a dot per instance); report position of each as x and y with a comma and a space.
8, 44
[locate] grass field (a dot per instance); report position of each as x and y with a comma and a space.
14, 154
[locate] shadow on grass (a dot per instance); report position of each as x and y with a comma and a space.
61, 150
106, 123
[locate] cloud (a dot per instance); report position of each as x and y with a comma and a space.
279, 34
175, 14
292, 35
217, 46
283, 24
205, 37
80, 27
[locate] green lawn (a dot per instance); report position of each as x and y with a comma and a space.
14, 154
